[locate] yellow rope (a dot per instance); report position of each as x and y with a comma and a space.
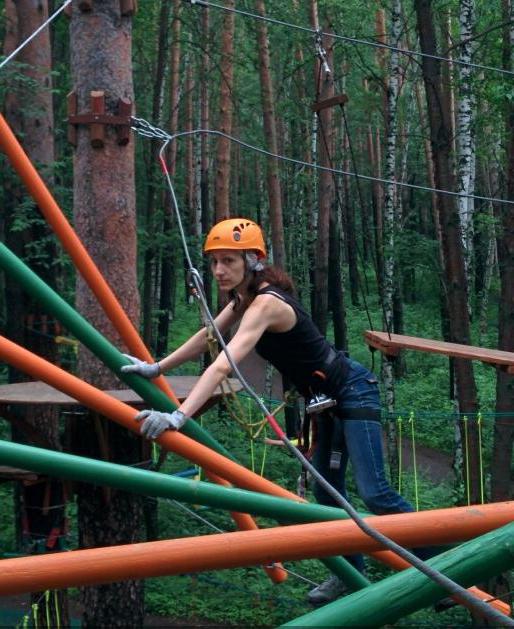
480, 457
47, 607
399, 421
413, 441
468, 488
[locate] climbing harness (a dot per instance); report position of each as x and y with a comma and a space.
195, 278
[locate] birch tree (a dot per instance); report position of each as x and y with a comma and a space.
465, 132
390, 193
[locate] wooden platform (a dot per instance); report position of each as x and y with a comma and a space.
41, 393
391, 344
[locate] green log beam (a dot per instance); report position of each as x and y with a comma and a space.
148, 483
114, 359
98, 344
397, 596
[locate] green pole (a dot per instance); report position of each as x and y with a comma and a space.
114, 359
149, 483
387, 601
98, 344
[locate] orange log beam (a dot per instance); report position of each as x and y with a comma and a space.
124, 414
243, 548
75, 249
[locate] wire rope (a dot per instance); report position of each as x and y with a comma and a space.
146, 129
351, 40
196, 284
34, 34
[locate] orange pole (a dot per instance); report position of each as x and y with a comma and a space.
95, 280
124, 414
243, 548
75, 249
170, 440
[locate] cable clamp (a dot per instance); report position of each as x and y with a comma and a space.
321, 52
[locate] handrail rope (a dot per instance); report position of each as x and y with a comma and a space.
480, 457
399, 422
354, 40
198, 291
466, 455
34, 34
213, 526
414, 463
145, 129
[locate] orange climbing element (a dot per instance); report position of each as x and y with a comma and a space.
75, 249
174, 441
95, 280
391, 344
124, 414
244, 548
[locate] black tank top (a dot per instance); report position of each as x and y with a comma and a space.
301, 351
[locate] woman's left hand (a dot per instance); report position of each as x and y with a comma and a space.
155, 422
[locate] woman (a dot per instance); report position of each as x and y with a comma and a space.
272, 321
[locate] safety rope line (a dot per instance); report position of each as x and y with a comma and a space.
145, 129
196, 283
23, 623
213, 526
34, 34
414, 463
399, 423
353, 40
480, 458
466, 459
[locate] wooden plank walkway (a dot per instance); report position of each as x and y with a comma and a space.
391, 344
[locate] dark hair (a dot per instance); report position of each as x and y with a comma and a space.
270, 274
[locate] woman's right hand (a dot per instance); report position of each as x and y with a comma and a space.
141, 367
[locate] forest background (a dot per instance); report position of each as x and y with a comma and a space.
371, 246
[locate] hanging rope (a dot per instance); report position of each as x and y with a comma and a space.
399, 422
414, 463
480, 458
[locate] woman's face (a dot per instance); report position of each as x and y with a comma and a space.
228, 268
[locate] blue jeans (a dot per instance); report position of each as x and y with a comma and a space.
360, 442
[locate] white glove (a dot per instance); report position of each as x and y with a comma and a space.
147, 370
155, 422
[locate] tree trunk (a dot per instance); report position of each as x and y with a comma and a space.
169, 258
501, 473
153, 176
326, 190
222, 182
335, 284
29, 110
392, 88
206, 213
465, 134
455, 277
105, 220
270, 132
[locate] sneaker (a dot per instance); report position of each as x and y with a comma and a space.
327, 591
444, 604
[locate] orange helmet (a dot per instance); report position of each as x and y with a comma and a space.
236, 233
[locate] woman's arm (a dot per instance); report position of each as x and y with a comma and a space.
255, 321
197, 344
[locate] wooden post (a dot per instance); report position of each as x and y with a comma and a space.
97, 130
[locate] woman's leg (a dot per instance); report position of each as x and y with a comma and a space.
365, 451
336, 477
